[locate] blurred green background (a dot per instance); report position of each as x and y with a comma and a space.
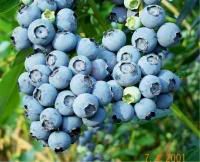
160, 140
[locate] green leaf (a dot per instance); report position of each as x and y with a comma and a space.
9, 94
193, 154
7, 5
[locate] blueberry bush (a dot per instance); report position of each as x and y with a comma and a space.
92, 80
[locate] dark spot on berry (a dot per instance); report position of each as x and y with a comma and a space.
141, 44
172, 84
155, 89
90, 109
59, 149
115, 119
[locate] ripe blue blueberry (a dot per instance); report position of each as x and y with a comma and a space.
144, 39
108, 57
113, 40
85, 105
150, 64
118, 14
38, 131
128, 53
151, 2
20, 38
122, 112
99, 69
102, 91
56, 59
32, 108
150, 86
80, 64
51, 119
64, 3
116, 89
152, 16
64, 103
59, 141
169, 81
168, 35
24, 83
145, 109
66, 20
39, 74
45, 94
95, 120
127, 73
27, 14
65, 41
82, 84
87, 47
164, 101
35, 59
72, 125
46, 4
60, 77
41, 32
162, 52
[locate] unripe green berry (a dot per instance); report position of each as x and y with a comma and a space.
133, 22
131, 95
26, 2
49, 15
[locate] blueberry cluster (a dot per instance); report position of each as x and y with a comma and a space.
65, 92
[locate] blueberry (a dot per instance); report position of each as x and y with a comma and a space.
118, 2
41, 32
64, 103
131, 95
80, 64
85, 105
99, 69
116, 89
132, 4
150, 64
168, 35
90, 146
37, 131
113, 40
145, 109
160, 113
150, 86
127, 73
46, 4
49, 16
39, 74
66, 20
20, 38
164, 101
118, 14
144, 39
65, 41
95, 120
108, 57
133, 22
88, 134
59, 141
24, 83
64, 3
32, 108
45, 94
51, 119
162, 53
82, 84
122, 112
27, 14
82, 141
60, 78
35, 59
57, 58
152, 16
128, 53
87, 47
72, 125
102, 91
169, 81
151, 2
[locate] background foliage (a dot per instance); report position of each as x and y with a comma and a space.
178, 133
